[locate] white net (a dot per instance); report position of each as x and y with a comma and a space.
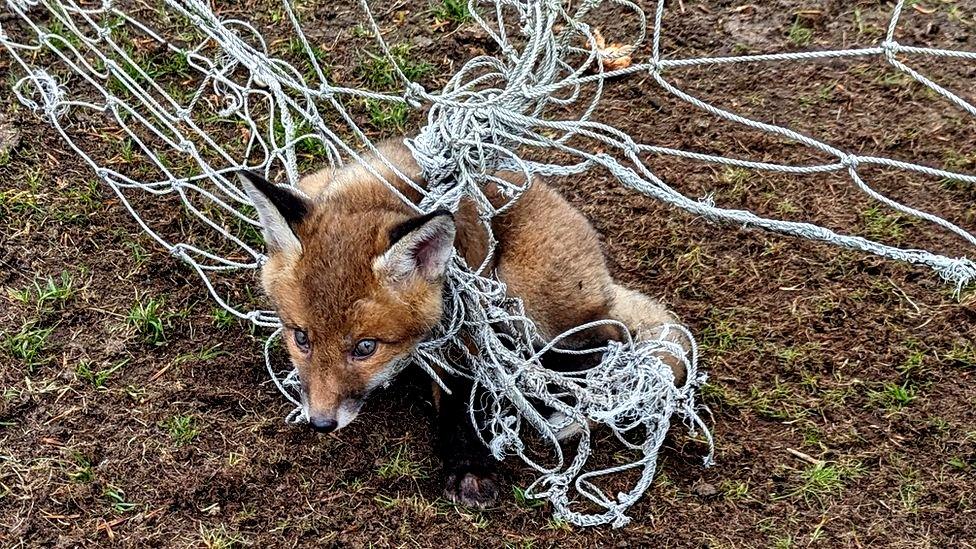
210, 97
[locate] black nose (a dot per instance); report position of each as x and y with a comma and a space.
322, 424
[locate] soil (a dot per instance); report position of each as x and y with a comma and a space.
842, 386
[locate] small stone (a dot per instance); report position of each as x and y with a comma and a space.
704, 489
9, 136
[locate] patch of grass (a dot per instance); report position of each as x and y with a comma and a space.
723, 336
799, 35
28, 344
47, 294
524, 501
219, 538
823, 480
13, 201
380, 74
962, 354
139, 254
117, 500
96, 378
738, 180
86, 197
882, 226
82, 471
399, 465
778, 402
959, 463
892, 396
182, 429
734, 490
222, 318
146, 318
454, 11
786, 207
386, 115
556, 525
909, 490
203, 355
913, 364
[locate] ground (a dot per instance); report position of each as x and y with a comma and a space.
842, 386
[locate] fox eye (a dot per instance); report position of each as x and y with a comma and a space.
364, 348
301, 339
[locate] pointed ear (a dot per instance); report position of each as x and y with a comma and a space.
420, 246
280, 209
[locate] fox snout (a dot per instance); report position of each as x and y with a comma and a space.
325, 419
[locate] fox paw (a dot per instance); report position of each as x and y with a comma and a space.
471, 490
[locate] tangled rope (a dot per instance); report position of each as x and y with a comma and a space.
77, 58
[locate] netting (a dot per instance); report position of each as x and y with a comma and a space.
231, 103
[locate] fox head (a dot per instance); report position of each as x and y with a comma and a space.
356, 288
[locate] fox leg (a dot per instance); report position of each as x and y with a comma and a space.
469, 468
646, 318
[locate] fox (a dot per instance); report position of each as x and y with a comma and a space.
357, 277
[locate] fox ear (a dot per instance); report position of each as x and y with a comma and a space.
420, 246
280, 209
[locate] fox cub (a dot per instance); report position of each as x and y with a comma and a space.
357, 281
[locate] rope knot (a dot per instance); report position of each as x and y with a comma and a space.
326, 91
849, 161
179, 251
413, 93
891, 48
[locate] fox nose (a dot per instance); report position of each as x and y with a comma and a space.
323, 424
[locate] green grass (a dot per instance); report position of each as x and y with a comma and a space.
379, 73
219, 538
222, 318
385, 115
913, 364
96, 377
399, 465
139, 254
454, 11
82, 471
962, 354
799, 34
203, 355
524, 501
47, 294
734, 490
822, 480
892, 396
737, 179
882, 226
146, 318
724, 335
909, 490
182, 429
28, 344
117, 500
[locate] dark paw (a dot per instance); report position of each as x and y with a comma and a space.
471, 490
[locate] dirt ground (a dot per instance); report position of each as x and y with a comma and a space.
842, 386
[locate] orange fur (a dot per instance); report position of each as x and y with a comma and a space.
549, 256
